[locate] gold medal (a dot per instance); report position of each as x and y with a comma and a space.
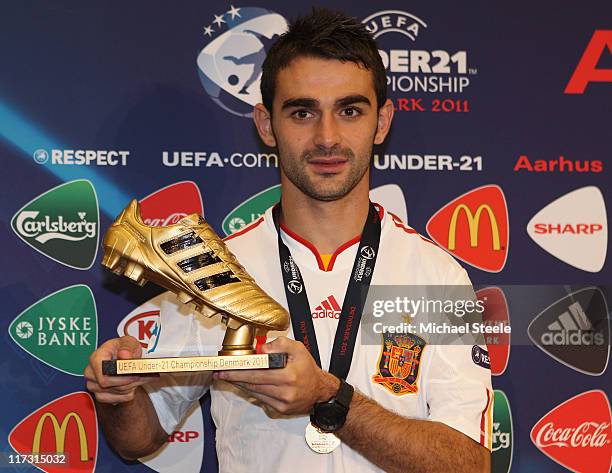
319, 441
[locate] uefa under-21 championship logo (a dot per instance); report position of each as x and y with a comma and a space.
229, 66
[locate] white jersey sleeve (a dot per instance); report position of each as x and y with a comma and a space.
173, 394
458, 387
180, 332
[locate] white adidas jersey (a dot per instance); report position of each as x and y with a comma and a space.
449, 387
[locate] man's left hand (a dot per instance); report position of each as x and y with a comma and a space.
290, 390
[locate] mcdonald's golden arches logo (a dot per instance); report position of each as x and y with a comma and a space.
66, 426
59, 432
474, 228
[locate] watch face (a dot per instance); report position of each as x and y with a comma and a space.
329, 416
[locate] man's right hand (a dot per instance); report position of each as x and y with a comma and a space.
114, 389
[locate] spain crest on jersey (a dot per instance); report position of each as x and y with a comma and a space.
399, 363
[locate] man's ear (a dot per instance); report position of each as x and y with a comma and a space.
385, 116
263, 122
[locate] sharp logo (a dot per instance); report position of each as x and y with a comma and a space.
184, 451
576, 434
474, 228
66, 426
496, 312
62, 224
168, 205
390, 196
61, 329
574, 229
327, 309
503, 434
586, 71
230, 65
575, 331
183, 436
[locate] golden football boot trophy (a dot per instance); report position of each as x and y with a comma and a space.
192, 261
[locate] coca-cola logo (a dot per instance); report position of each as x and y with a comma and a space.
587, 434
164, 222
577, 433
168, 205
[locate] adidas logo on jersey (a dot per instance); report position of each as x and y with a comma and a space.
327, 309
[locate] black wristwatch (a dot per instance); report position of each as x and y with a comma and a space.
331, 415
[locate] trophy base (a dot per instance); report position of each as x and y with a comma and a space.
194, 363
237, 353
238, 341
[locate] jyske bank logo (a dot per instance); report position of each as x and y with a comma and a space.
417, 70
168, 205
251, 209
575, 331
503, 434
61, 329
577, 434
574, 229
65, 428
390, 196
474, 228
62, 224
229, 66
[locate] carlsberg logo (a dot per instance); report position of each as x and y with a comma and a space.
503, 432
500, 439
44, 230
62, 223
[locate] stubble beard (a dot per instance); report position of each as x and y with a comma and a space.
295, 170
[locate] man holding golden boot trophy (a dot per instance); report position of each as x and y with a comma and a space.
334, 404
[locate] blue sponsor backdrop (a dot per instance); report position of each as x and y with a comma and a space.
96, 76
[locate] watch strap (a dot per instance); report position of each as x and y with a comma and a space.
344, 394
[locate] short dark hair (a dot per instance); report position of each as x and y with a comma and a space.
324, 34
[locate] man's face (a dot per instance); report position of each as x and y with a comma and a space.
324, 123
